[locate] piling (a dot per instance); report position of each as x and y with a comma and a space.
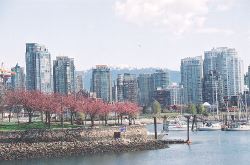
155, 127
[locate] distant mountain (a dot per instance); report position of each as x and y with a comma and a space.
175, 76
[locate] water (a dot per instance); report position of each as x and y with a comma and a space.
215, 148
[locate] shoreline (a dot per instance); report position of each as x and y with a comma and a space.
19, 151
35, 144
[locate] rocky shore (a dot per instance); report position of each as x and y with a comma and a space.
13, 151
32, 144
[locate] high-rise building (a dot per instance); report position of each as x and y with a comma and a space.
38, 68
144, 85
130, 87
160, 79
119, 85
114, 93
79, 82
191, 79
126, 88
101, 83
175, 96
248, 76
18, 79
64, 75
223, 74
246, 80
212, 88
161, 96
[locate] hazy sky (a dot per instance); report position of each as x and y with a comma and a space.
124, 32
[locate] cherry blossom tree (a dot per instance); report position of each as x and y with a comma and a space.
70, 103
56, 104
52, 106
105, 110
126, 108
12, 101
81, 106
93, 109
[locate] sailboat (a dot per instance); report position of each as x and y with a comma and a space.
212, 126
239, 125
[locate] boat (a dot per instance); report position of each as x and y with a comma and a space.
177, 125
210, 127
236, 126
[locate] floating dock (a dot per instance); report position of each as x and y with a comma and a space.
174, 141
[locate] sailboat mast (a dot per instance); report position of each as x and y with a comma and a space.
246, 104
239, 108
216, 99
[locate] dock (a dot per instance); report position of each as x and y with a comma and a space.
174, 141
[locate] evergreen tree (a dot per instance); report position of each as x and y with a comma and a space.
156, 107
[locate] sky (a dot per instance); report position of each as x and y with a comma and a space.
135, 33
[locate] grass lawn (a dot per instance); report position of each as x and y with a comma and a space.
160, 115
6, 126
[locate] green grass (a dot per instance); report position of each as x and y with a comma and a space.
6, 126
161, 115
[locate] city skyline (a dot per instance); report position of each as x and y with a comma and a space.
111, 32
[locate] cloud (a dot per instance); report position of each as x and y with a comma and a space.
215, 30
224, 5
177, 16
248, 35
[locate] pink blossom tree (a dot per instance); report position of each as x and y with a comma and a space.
126, 108
81, 107
93, 109
12, 100
70, 103
104, 111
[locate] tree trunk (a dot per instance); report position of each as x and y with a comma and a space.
115, 118
41, 116
62, 120
106, 121
48, 119
92, 121
71, 117
121, 119
9, 115
102, 120
30, 116
18, 117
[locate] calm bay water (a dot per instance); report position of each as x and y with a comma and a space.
215, 148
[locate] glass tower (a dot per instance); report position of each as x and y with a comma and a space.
64, 75
191, 79
223, 74
101, 83
38, 68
